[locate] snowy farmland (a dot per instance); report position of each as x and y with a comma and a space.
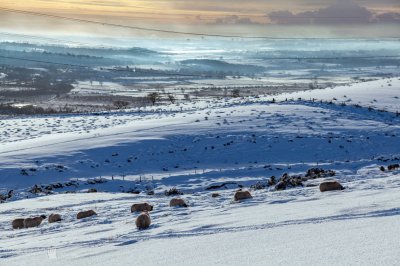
201, 148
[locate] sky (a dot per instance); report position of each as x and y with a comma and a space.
284, 18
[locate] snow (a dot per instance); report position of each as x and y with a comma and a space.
335, 228
193, 146
378, 94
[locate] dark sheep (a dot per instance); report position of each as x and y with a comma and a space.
141, 207
85, 214
18, 223
242, 195
330, 185
178, 203
143, 221
33, 222
53, 218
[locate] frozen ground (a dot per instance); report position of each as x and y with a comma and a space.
357, 226
379, 94
200, 144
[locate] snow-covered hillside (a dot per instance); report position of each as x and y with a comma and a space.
197, 147
383, 95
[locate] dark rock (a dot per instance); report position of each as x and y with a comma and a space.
280, 186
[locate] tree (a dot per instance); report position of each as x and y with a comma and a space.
153, 97
171, 98
119, 104
236, 93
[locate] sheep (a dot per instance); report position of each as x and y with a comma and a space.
330, 185
33, 222
53, 218
85, 214
141, 207
143, 221
241, 195
18, 223
177, 202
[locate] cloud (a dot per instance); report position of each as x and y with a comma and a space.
234, 20
388, 17
338, 13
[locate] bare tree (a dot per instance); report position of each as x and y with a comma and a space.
171, 98
153, 97
119, 104
236, 93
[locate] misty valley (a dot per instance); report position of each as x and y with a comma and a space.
65, 78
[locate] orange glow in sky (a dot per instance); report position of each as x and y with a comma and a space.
177, 14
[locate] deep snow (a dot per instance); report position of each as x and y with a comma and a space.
193, 146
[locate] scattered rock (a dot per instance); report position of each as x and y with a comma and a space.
215, 195
311, 185
314, 173
24, 172
223, 185
7, 196
281, 185
36, 190
57, 185
133, 191
259, 185
173, 191
289, 181
272, 181
393, 167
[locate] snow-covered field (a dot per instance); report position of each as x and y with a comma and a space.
193, 146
